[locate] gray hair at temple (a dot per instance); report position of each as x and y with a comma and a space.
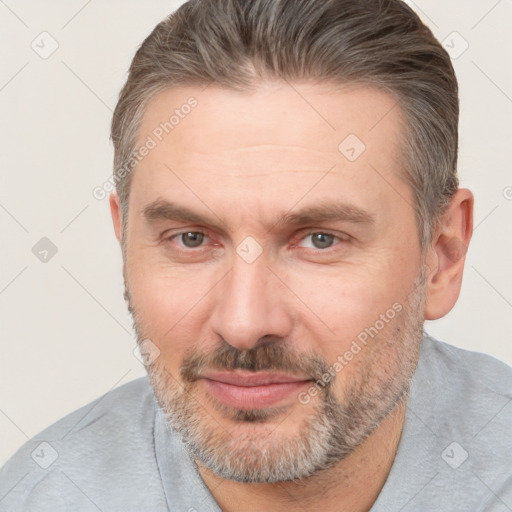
238, 44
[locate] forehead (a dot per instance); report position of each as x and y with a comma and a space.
314, 116
272, 145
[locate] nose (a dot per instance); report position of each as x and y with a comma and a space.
250, 304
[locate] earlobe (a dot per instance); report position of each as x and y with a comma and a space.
115, 210
447, 255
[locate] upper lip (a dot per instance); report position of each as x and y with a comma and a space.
246, 378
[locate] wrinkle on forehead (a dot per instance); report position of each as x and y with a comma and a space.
269, 147
271, 159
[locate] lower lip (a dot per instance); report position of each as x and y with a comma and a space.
253, 397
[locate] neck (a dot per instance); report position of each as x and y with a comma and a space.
353, 484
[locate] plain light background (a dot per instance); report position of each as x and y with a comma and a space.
66, 334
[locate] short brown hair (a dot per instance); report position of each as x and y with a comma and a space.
238, 43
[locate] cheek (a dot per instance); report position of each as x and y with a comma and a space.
167, 305
347, 300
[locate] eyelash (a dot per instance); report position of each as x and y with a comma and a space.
327, 250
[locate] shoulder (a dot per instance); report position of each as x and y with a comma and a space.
461, 391
464, 408
464, 371
85, 452
455, 448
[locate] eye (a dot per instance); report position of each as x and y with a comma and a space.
190, 239
320, 240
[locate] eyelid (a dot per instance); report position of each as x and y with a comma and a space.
315, 231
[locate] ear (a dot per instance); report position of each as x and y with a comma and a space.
447, 254
115, 210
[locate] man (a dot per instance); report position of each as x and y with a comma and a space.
289, 214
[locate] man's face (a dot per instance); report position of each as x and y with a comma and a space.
251, 305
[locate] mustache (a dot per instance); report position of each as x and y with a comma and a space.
269, 356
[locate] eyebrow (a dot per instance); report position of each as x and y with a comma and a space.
163, 210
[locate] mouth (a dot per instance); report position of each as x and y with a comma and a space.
252, 390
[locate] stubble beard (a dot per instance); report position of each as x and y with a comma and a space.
248, 448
